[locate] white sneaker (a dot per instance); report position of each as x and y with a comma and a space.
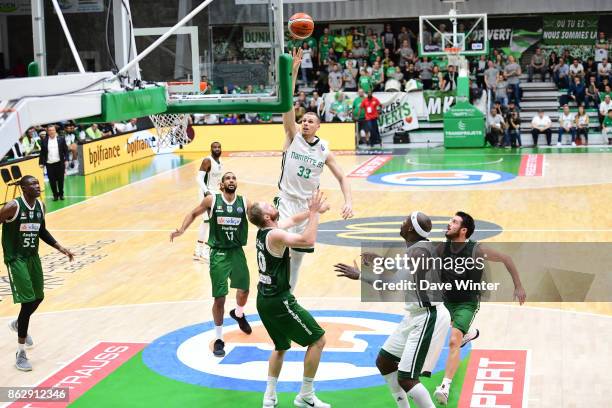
270, 402
29, 343
472, 334
441, 394
558, 144
574, 144
309, 401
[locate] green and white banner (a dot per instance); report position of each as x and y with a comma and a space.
570, 29
438, 102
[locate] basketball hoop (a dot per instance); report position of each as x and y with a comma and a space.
172, 129
452, 50
185, 87
456, 59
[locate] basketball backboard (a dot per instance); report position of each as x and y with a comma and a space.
441, 34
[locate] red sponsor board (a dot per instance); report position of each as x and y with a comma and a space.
496, 379
86, 371
531, 165
370, 166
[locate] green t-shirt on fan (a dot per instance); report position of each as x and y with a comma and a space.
356, 105
365, 83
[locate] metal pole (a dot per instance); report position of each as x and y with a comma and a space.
75, 54
163, 38
38, 34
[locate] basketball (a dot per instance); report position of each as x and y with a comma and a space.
301, 26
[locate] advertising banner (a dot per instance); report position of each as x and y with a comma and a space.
256, 37
570, 29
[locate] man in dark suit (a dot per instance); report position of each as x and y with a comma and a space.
54, 156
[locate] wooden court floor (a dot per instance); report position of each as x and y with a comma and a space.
130, 283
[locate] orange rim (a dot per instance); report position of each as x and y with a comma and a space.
203, 85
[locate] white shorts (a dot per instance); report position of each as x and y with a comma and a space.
288, 207
418, 340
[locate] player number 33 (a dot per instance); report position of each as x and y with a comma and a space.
303, 172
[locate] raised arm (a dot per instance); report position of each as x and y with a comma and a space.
204, 168
495, 256
289, 117
205, 205
300, 217
347, 209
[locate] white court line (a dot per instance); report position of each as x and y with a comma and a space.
400, 309
453, 164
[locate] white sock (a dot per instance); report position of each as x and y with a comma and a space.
421, 397
239, 311
446, 382
307, 388
203, 234
399, 395
294, 270
271, 386
20, 347
219, 332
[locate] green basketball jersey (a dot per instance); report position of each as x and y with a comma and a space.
458, 274
273, 271
20, 235
228, 223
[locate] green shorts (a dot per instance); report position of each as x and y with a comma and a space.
285, 321
228, 263
26, 279
463, 314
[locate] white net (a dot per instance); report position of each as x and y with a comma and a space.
171, 129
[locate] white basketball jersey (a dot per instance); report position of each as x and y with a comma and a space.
212, 178
302, 166
416, 299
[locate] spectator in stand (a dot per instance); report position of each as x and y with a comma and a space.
590, 68
371, 105
374, 46
567, 124
388, 38
30, 144
513, 121
496, 125
577, 91
339, 44
231, 119
592, 93
604, 69
607, 91
490, 78
335, 79
410, 73
365, 80
437, 79
602, 46
387, 58
359, 117
405, 53
606, 127
349, 77
359, 51
541, 123
501, 90
499, 108
324, 47
581, 122
301, 99
406, 34
425, 68
339, 110
553, 61
54, 156
316, 104
307, 64
93, 132
450, 79
71, 136
561, 74
602, 87
130, 126
299, 111
107, 129
567, 57
604, 107
538, 65
390, 71
478, 70
352, 37
499, 61
378, 76
321, 84
576, 70
513, 72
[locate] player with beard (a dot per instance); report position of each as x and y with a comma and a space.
464, 304
228, 234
